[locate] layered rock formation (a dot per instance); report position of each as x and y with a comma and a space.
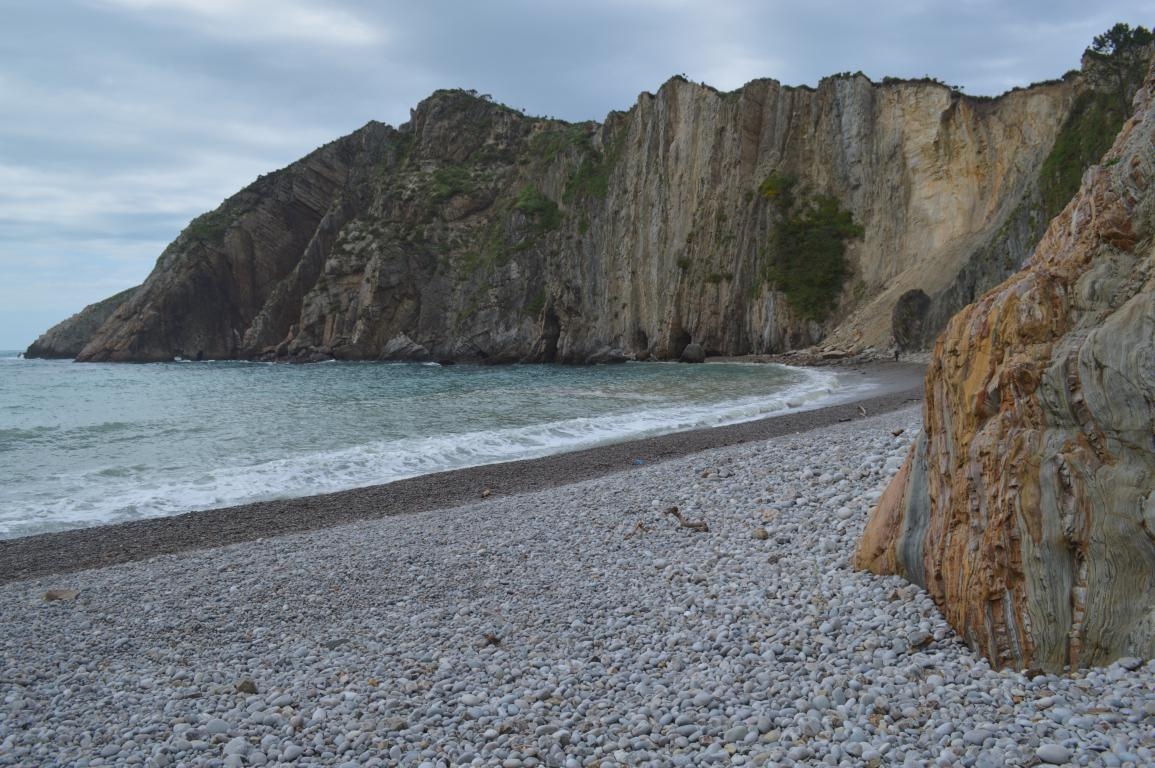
1027, 507
474, 232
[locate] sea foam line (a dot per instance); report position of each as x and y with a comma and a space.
99, 497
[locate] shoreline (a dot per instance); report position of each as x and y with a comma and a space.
892, 386
575, 625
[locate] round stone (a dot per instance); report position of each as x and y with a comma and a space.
1054, 754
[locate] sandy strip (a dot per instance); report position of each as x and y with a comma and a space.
893, 386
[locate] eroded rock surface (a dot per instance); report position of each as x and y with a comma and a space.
1027, 507
473, 232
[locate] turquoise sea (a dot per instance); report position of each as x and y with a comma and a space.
85, 444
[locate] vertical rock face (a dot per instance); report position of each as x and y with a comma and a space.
474, 232
1027, 507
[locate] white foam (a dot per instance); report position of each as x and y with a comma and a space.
97, 496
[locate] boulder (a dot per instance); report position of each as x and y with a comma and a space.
401, 347
1027, 506
693, 353
607, 355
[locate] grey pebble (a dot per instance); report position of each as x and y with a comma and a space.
216, 725
1053, 754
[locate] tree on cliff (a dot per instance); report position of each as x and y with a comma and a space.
1119, 58
1115, 65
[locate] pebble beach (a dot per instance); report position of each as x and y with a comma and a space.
700, 610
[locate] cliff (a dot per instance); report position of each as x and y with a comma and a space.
475, 232
1027, 506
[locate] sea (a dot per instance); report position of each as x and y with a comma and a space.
85, 444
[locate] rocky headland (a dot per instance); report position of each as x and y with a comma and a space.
65, 340
762, 220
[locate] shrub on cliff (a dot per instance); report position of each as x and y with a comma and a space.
543, 210
806, 258
1115, 65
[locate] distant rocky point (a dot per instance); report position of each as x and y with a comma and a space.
67, 338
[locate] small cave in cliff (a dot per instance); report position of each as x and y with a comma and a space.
641, 344
680, 338
908, 321
550, 333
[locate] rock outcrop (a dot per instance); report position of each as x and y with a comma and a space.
67, 338
693, 353
474, 232
1027, 507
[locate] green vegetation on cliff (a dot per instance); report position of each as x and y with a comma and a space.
592, 177
540, 208
451, 180
1088, 132
503, 237
1118, 59
536, 304
778, 188
550, 143
209, 228
806, 256
1116, 64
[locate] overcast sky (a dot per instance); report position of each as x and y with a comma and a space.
120, 120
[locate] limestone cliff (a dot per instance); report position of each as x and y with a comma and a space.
475, 232
1027, 507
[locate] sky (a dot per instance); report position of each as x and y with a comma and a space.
121, 120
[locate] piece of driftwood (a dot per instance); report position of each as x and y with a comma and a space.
693, 525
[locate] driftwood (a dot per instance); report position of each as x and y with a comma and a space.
693, 525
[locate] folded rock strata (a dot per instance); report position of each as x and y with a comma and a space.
1027, 506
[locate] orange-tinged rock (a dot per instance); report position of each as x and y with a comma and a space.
1027, 506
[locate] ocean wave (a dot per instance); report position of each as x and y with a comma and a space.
106, 495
